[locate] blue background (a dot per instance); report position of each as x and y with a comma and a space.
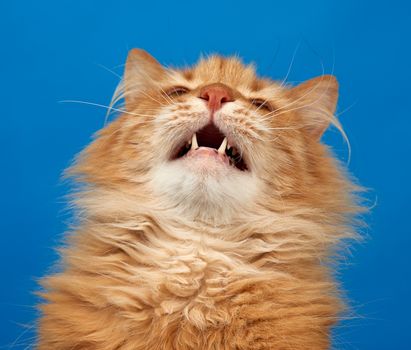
59, 50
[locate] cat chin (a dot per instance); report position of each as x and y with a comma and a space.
203, 190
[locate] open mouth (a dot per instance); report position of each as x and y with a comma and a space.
211, 138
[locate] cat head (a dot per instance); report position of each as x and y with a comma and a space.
215, 141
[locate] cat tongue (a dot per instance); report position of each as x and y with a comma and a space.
208, 152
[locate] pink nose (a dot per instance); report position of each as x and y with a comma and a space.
215, 95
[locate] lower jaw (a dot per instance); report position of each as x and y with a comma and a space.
208, 156
207, 165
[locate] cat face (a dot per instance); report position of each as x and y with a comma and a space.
213, 140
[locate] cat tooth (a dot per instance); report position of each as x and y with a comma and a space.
194, 144
223, 146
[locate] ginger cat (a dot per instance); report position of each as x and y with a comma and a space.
208, 215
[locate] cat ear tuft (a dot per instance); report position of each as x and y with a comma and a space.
142, 71
316, 99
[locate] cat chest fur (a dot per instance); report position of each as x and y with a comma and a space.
189, 281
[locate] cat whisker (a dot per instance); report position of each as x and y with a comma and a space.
330, 118
291, 65
107, 107
114, 100
284, 128
300, 98
164, 95
25, 331
151, 98
109, 70
346, 109
122, 91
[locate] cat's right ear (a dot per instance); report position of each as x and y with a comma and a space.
142, 71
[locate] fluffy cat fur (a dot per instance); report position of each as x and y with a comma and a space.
179, 254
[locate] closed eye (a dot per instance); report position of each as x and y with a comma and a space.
176, 91
262, 104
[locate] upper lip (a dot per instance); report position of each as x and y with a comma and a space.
211, 136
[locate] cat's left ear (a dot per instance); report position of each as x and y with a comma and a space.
316, 99
142, 72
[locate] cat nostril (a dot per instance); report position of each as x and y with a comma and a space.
215, 95
204, 96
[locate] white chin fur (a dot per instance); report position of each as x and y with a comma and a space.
212, 196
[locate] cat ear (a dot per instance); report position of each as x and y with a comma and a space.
142, 71
316, 99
